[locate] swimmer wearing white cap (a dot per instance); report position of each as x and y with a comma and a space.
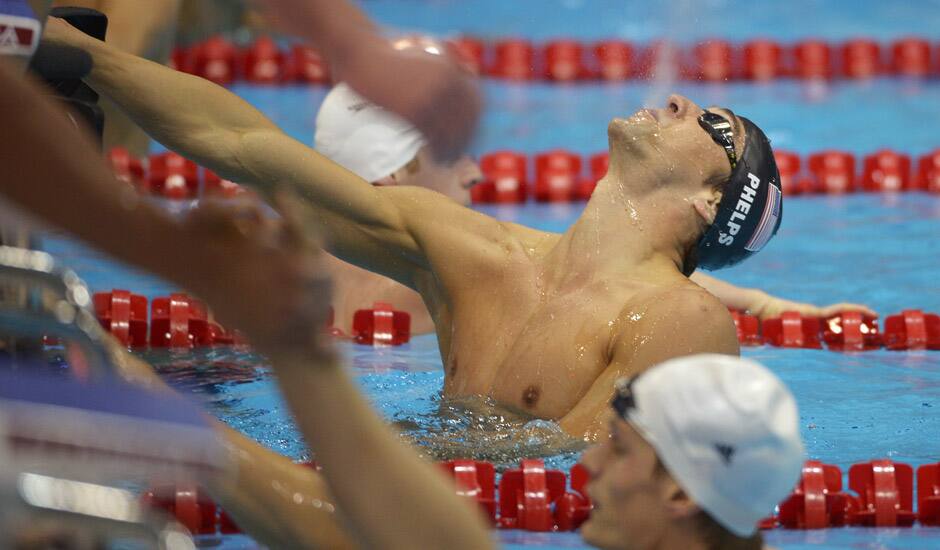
539, 322
700, 449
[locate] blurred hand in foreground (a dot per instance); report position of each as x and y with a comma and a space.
435, 93
432, 92
261, 275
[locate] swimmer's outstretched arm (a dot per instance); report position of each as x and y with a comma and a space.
397, 232
764, 305
682, 322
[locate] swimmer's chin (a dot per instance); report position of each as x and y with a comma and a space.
629, 127
627, 134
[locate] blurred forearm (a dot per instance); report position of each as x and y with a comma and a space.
334, 27
391, 497
279, 503
52, 170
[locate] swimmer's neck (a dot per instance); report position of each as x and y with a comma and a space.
624, 235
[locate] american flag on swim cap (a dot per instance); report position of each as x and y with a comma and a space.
19, 28
768, 220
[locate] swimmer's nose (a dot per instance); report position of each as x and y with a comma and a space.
591, 458
680, 106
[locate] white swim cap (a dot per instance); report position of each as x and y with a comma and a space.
725, 428
362, 137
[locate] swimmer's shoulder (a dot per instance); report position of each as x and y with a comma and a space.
691, 303
677, 320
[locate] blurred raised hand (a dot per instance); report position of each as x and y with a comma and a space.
435, 93
260, 274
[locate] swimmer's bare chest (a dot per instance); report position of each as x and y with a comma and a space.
531, 353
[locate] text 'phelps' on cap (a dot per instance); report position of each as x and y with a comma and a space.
751, 206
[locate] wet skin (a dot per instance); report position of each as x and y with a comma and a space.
511, 332
355, 288
543, 323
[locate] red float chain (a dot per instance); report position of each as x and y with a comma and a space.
534, 498
912, 329
559, 176
182, 322
179, 321
566, 60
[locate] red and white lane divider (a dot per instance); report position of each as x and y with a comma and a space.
911, 329
880, 493
567, 60
559, 175
182, 322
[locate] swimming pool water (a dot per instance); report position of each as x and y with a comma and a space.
882, 250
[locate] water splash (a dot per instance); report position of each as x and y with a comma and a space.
679, 21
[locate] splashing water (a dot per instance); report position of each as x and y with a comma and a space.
664, 67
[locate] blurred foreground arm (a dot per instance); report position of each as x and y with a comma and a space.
392, 497
764, 305
52, 171
41, 150
233, 260
442, 100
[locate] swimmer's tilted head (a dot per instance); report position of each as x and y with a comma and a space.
720, 163
751, 205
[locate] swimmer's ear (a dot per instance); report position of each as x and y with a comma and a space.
706, 204
680, 506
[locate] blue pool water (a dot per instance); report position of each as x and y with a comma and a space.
879, 250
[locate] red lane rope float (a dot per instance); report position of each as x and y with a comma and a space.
532, 498
265, 62
560, 175
381, 325
912, 329
182, 322
179, 321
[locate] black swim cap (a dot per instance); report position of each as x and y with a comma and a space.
751, 205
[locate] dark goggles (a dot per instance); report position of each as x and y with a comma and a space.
623, 400
722, 131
